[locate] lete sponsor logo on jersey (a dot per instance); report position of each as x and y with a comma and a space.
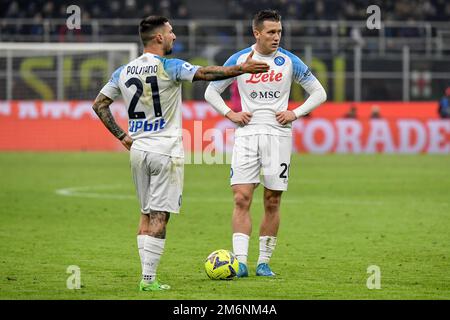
265, 77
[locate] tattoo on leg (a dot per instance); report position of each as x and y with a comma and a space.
157, 224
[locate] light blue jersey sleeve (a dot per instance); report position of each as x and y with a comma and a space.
179, 70
300, 73
111, 89
221, 85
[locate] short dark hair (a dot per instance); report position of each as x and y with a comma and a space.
265, 15
148, 25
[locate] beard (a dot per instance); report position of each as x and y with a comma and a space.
168, 50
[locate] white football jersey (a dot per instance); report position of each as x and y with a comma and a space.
265, 94
151, 88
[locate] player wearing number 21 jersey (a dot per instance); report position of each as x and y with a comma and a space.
151, 89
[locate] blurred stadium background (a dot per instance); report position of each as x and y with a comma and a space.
397, 72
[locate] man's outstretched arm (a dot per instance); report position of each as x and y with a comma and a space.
101, 108
212, 73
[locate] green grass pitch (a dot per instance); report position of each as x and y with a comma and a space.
341, 214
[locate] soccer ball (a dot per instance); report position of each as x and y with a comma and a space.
221, 264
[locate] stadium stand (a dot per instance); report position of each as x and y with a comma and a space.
357, 63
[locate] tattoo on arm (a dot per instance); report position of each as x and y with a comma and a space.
101, 108
212, 73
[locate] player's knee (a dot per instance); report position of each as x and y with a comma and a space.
272, 204
242, 200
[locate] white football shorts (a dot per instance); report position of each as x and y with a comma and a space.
158, 179
261, 154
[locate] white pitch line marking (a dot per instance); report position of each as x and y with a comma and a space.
86, 192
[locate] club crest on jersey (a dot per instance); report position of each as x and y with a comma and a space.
279, 61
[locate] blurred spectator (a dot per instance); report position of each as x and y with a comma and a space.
409, 11
165, 8
13, 10
444, 105
148, 10
48, 11
351, 113
182, 12
113, 9
37, 27
375, 113
414, 10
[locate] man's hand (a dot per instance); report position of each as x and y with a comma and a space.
254, 66
214, 73
240, 118
285, 117
127, 142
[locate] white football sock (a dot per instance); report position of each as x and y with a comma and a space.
153, 249
240, 246
266, 247
140, 244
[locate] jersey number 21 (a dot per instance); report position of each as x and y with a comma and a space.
139, 90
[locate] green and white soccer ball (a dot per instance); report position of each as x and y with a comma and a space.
221, 265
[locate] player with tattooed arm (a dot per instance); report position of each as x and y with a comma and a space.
151, 88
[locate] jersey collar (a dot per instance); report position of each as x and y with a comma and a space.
272, 55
